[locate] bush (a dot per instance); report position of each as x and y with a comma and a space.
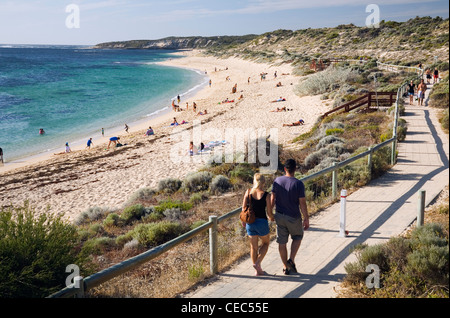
243, 171
144, 194
197, 181
169, 185
326, 81
154, 234
220, 184
98, 245
132, 213
34, 252
113, 219
168, 204
92, 214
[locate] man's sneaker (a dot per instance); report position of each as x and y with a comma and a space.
291, 266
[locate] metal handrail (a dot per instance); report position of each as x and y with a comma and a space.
132, 263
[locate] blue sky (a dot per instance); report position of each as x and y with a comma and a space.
44, 21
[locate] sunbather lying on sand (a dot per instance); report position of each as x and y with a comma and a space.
282, 109
281, 99
297, 123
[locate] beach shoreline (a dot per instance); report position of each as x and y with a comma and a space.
79, 144
72, 183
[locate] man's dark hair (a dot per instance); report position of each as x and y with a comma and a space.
290, 165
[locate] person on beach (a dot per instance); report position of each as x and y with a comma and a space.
281, 99
421, 89
291, 214
41, 131
103, 132
89, 143
411, 91
193, 150
174, 123
261, 202
194, 106
1, 155
179, 99
126, 128
297, 123
67, 150
149, 131
113, 140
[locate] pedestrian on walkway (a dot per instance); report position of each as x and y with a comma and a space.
288, 197
261, 203
421, 89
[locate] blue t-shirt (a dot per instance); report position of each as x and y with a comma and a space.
288, 191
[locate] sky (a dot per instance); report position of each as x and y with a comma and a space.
88, 22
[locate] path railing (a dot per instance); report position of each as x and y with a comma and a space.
81, 285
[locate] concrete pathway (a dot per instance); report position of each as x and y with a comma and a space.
380, 210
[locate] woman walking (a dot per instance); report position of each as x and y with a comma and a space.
260, 201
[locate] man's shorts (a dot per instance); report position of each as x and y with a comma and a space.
287, 225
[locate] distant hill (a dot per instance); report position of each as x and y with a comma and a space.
418, 39
179, 43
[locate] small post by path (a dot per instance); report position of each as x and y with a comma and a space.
421, 208
342, 232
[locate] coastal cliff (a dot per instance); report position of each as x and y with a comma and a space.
178, 43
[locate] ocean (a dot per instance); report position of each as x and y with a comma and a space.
73, 92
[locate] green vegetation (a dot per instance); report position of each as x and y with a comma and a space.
414, 265
35, 251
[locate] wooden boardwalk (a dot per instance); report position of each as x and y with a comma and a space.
382, 209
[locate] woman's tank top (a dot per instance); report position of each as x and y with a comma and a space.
259, 206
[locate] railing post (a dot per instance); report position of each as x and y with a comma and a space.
213, 245
342, 231
421, 208
369, 163
334, 181
78, 282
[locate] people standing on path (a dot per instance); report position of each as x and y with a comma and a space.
261, 203
421, 89
291, 214
411, 91
435, 76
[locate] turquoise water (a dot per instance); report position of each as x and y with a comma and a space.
73, 92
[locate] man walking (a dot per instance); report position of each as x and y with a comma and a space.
288, 197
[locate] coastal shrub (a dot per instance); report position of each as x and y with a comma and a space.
197, 181
173, 214
153, 234
34, 252
220, 184
169, 185
143, 194
98, 245
243, 171
326, 81
334, 131
113, 219
169, 204
92, 214
197, 198
415, 265
327, 140
444, 120
132, 213
439, 95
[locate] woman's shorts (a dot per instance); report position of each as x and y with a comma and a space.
260, 227
286, 226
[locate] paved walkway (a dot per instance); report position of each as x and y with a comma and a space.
380, 210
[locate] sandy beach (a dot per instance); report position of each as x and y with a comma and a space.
73, 182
